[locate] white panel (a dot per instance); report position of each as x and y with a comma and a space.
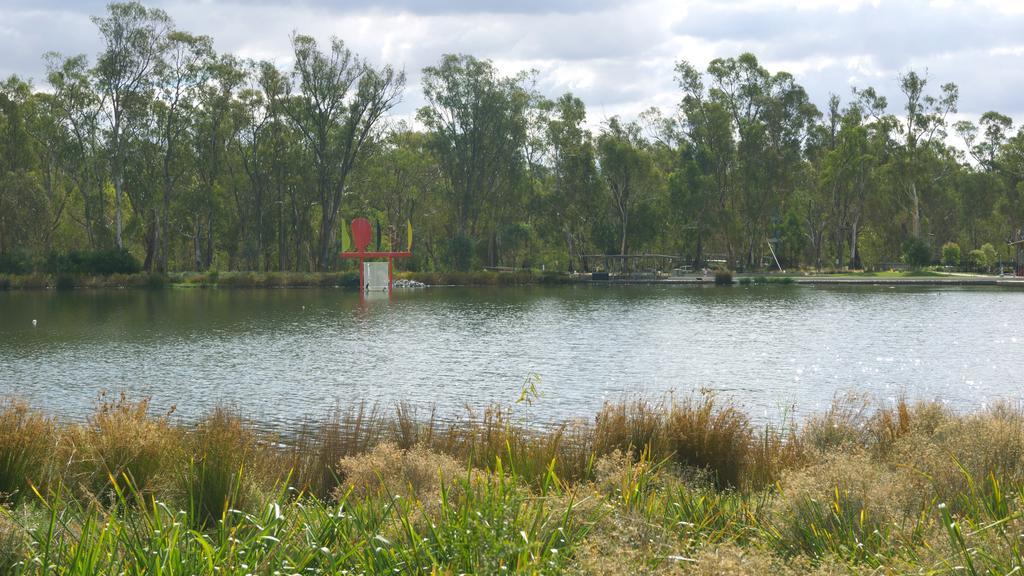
375, 274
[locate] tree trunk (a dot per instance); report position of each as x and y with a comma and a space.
915, 211
282, 256
569, 247
117, 208
854, 256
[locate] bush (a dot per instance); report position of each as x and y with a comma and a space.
951, 254
983, 258
460, 253
101, 262
156, 281
723, 278
387, 469
5, 283
916, 252
15, 263
64, 282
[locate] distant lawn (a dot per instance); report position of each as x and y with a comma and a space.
902, 274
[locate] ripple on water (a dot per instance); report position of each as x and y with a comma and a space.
289, 355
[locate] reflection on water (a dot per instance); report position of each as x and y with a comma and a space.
289, 355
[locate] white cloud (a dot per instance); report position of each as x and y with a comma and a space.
617, 56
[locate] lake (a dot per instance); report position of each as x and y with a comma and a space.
288, 355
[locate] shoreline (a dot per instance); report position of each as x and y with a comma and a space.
349, 280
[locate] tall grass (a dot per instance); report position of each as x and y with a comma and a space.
27, 446
645, 487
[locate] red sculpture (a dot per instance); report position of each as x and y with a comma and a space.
362, 235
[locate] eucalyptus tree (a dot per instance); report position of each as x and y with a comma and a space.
922, 132
701, 186
340, 106
134, 38
23, 212
50, 143
212, 130
75, 107
181, 75
576, 184
771, 116
478, 125
628, 171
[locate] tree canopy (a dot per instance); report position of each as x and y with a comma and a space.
192, 160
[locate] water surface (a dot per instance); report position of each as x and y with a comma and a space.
284, 356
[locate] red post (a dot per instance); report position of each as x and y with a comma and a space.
362, 282
391, 275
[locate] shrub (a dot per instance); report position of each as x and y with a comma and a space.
951, 254
5, 283
460, 253
916, 252
15, 263
64, 282
723, 278
978, 259
416, 473
156, 281
990, 253
102, 262
984, 258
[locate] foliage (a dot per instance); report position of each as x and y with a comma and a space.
103, 262
15, 263
951, 254
916, 253
193, 160
723, 278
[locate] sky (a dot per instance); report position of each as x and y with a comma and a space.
618, 56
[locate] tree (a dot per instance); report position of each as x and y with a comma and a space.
702, 184
478, 125
181, 75
951, 254
341, 103
75, 108
922, 130
575, 182
627, 170
134, 37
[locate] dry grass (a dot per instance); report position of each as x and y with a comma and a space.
14, 542
27, 446
672, 487
121, 440
416, 473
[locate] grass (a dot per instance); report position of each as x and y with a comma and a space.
893, 274
677, 486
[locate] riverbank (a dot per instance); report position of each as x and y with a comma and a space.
350, 280
673, 487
